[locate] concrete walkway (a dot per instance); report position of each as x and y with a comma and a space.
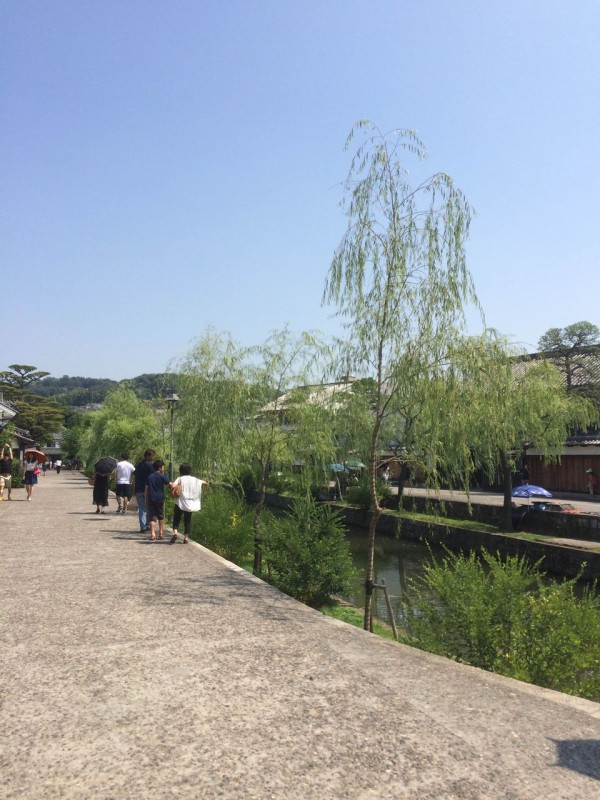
582, 502
133, 669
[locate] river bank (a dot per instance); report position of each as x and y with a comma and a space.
557, 555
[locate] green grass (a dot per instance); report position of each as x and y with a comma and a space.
355, 616
468, 524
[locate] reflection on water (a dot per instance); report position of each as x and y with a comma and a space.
397, 562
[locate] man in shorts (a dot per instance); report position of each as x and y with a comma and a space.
125, 472
155, 498
5, 475
142, 471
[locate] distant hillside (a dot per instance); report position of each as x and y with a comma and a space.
78, 392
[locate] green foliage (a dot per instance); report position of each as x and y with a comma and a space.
353, 616
41, 417
569, 339
123, 424
76, 391
224, 525
500, 615
575, 351
306, 552
214, 404
399, 278
360, 494
18, 480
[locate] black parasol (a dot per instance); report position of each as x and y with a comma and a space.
105, 465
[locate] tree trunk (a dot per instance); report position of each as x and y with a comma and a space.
370, 568
507, 490
375, 514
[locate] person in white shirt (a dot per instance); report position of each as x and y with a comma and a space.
125, 472
187, 491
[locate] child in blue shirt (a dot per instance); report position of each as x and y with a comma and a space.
154, 496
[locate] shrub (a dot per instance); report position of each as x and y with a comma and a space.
360, 494
224, 525
500, 615
17, 475
306, 552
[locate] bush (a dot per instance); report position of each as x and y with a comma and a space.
500, 615
360, 494
224, 525
306, 552
17, 475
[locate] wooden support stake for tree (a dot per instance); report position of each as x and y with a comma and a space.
383, 586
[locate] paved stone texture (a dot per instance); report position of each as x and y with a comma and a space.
132, 669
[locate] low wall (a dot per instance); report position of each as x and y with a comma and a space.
555, 559
550, 523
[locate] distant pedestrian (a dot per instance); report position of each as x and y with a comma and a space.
58, 465
592, 481
125, 471
524, 475
31, 472
142, 471
155, 498
6, 463
188, 493
100, 492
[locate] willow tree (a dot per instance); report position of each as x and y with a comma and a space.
278, 371
124, 424
212, 384
399, 279
513, 402
237, 406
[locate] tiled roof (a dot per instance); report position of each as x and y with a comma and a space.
585, 364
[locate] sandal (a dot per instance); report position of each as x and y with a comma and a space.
152, 537
173, 539
185, 540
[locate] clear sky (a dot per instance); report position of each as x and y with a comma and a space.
173, 164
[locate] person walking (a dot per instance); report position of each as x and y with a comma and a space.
6, 463
58, 465
188, 493
592, 481
142, 471
31, 472
100, 491
155, 498
125, 471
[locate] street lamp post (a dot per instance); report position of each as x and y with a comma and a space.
171, 401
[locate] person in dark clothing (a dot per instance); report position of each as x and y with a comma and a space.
155, 498
6, 463
142, 471
100, 492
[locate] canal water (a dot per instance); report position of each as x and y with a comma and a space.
397, 562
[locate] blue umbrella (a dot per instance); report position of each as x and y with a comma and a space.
337, 467
529, 490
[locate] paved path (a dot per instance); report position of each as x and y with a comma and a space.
582, 502
132, 669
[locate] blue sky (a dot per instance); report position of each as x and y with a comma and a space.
172, 165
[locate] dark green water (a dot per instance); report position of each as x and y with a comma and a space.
397, 562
